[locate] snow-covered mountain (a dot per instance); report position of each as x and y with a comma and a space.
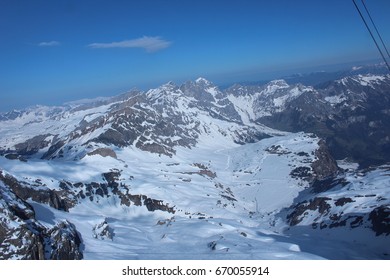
254, 102
157, 121
191, 172
351, 114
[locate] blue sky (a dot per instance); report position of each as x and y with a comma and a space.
57, 51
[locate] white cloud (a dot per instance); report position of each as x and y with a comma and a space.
49, 44
150, 44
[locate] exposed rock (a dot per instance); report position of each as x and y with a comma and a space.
21, 242
325, 166
23, 237
41, 194
326, 184
277, 149
342, 201
203, 171
65, 242
351, 203
112, 177
50, 154
104, 152
154, 204
380, 219
33, 145
317, 204
113, 137
93, 191
212, 245
20, 234
301, 172
103, 231
12, 156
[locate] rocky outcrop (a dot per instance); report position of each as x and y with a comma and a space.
325, 166
55, 148
318, 204
20, 234
321, 168
23, 237
13, 156
64, 242
380, 220
103, 231
354, 205
38, 192
104, 152
33, 145
112, 187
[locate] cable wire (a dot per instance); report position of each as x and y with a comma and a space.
372, 36
376, 29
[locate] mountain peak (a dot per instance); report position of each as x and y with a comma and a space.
275, 85
170, 84
203, 81
364, 80
280, 83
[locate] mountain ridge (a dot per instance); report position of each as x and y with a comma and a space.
276, 104
192, 171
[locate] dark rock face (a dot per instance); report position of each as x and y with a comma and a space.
38, 193
64, 242
103, 231
342, 201
13, 156
202, 98
322, 208
146, 128
380, 219
104, 152
319, 186
20, 236
317, 204
322, 168
21, 243
32, 145
302, 172
325, 166
50, 154
154, 204
112, 177
23, 237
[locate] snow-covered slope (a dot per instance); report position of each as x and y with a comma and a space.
208, 202
254, 102
351, 208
